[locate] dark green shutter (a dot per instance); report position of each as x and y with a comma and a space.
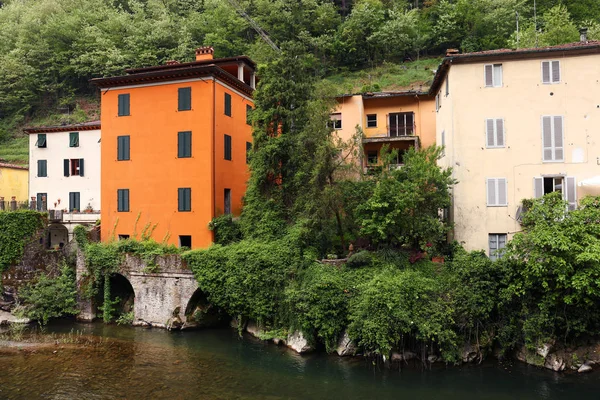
188, 144
74, 139
184, 144
228, 104
74, 201
122, 148
188, 197
41, 140
81, 167
180, 194
227, 147
119, 148
123, 105
126, 146
126, 199
119, 200
66, 167
184, 99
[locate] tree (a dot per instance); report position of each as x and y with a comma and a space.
556, 27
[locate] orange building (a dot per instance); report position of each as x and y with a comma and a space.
174, 145
399, 119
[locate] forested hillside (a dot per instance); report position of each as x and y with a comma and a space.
49, 49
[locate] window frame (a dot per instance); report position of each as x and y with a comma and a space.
368, 122
45, 141
227, 105
227, 201
498, 251
495, 133
227, 147
184, 199
553, 148
73, 139
551, 75
122, 204
124, 105
184, 144
497, 192
494, 83
124, 145
42, 168
184, 94
185, 236
336, 121
74, 201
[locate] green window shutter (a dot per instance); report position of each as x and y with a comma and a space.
248, 150
41, 140
119, 200
227, 147
248, 111
184, 199
66, 167
74, 139
184, 99
228, 104
77, 204
184, 144
126, 144
122, 148
122, 200
81, 167
126, 200
180, 194
188, 144
180, 144
74, 201
188, 199
123, 105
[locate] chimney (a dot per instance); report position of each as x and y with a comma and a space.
451, 52
583, 35
204, 53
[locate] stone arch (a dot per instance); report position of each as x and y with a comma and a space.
122, 289
58, 235
199, 313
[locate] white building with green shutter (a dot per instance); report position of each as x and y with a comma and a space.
65, 176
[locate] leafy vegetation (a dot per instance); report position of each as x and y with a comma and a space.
17, 229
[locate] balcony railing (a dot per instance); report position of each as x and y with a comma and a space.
401, 130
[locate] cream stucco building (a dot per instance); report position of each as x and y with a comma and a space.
517, 124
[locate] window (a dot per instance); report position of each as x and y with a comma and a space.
371, 120
496, 192
550, 72
184, 144
123, 237
565, 185
494, 132
123, 105
552, 138
228, 104
248, 113
42, 168
41, 141
122, 148
123, 200
493, 75
447, 85
184, 99
227, 201
248, 151
74, 139
372, 157
336, 121
227, 149
41, 201
185, 241
74, 167
401, 124
74, 201
184, 199
438, 102
497, 245
443, 143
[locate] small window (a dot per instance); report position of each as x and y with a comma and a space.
123, 105
42, 168
248, 151
41, 201
184, 199
447, 85
123, 237
401, 124
336, 120
228, 104
493, 75
497, 244
497, 195
184, 96
438, 103
123, 148
185, 241
123, 200
371, 120
74, 201
248, 114
74, 139
552, 138
494, 132
227, 144
76, 166
41, 141
443, 143
550, 72
184, 144
562, 184
227, 201
372, 157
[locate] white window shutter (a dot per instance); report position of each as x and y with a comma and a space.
547, 138
491, 192
497, 75
571, 192
500, 132
558, 139
545, 71
538, 187
502, 194
489, 132
555, 71
489, 75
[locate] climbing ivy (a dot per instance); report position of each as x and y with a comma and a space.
16, 230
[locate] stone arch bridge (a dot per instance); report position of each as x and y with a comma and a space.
160, 296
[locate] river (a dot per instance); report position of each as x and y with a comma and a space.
136, 363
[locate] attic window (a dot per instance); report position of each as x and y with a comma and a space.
336, 120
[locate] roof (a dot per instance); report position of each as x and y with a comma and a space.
180, 71
86, 126
13, 166
381, 95
568, 49
216, 61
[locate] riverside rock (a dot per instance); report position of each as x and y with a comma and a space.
585, 368
345, 346
7, 318
297, 342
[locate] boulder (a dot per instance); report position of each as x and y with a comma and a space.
544, 349
254, 329
297, 342
469, 353
585, 368
432, 358
345, 346
555, 363
404, 356
7, 318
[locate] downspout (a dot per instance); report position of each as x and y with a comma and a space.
213, 155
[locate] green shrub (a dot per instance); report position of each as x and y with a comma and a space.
17, 228
225, 229
360, 259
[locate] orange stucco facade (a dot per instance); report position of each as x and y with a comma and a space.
154, 173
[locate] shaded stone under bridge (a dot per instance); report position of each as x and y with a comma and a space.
168, 294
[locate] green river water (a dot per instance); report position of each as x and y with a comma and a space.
136, 363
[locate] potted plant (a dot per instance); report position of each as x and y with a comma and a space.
88, 209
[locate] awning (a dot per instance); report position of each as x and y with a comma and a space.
595, 181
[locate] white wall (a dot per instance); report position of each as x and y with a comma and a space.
56, 184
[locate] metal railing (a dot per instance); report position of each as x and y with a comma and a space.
14, 205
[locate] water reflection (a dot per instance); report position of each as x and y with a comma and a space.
217, 364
